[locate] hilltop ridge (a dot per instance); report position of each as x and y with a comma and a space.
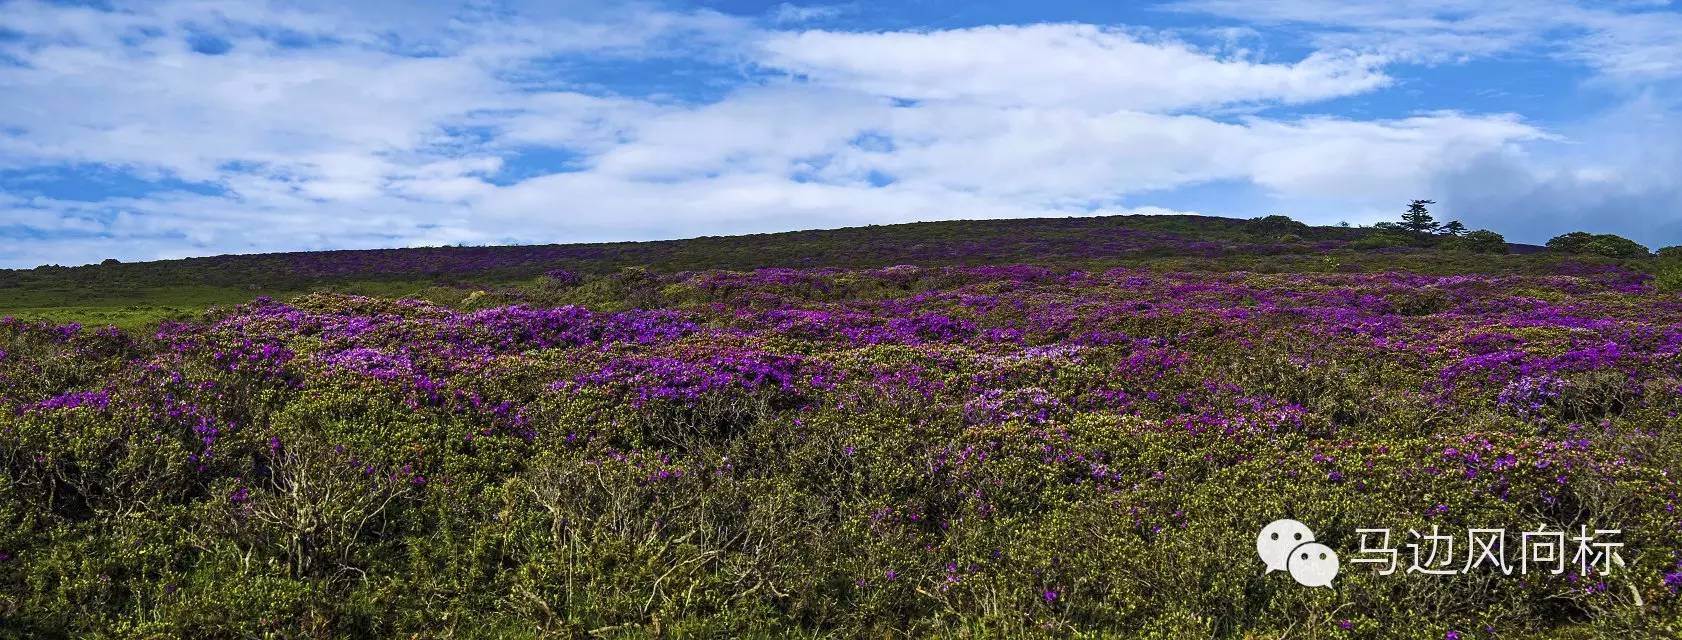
132, 293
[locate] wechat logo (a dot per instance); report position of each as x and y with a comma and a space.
1288, 545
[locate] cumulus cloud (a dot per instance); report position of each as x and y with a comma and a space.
1060, 65
1615, 173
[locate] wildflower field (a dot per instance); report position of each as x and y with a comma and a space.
980, 450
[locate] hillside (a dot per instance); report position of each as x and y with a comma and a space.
134, 294
941, 451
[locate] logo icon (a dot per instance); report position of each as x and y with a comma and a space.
1288, 545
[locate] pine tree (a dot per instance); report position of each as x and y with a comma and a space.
1454, 228
1418, 219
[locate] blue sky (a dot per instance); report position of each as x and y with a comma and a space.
177, 128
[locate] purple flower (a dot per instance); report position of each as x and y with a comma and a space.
562, 277
97, 400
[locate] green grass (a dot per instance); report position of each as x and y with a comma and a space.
141, 308
125, 309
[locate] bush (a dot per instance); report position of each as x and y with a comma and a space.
1668, 276
1613, 246
1603, 244
1480, 241
1275, 224
990, 451
1573, 242
562, 278
1381, 240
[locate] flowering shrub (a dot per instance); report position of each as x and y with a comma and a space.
921, 451
563, 277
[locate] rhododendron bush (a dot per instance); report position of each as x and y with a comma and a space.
994, 451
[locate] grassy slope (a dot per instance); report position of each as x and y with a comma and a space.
139, 294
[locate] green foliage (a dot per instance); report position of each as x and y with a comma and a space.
1612, 246
1573, 242
1603, 244
1418, 219
1479, 241
1276, 224
1382, 240
1667, 275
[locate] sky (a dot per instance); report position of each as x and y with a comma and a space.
175, 128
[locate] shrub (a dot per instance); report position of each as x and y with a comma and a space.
1573, 242
1613, 246
1667, 276
1480, 241
938, 452
562, 278
1604, 244
1381, 240
1275, 224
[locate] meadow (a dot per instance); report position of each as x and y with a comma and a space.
1012, 429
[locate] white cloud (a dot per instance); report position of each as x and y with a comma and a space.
1385, 161
787, 13
588, 124
1614, 173
1626, 41
952, 163
1631, 46
167, 108
759, 130
1061, 65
